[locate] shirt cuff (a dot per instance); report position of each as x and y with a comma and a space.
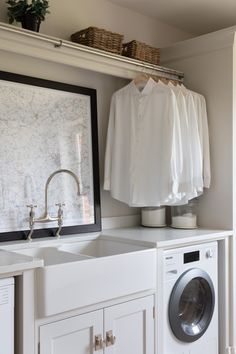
207, 182
107, 185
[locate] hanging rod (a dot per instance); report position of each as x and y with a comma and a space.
58, 43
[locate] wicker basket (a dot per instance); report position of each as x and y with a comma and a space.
141, 51
100, 39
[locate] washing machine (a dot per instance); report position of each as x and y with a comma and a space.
190, 298
7, 316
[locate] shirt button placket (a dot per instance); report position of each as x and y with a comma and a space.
140, 106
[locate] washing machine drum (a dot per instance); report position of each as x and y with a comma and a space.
191, 305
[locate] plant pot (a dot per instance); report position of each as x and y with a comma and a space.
31, 22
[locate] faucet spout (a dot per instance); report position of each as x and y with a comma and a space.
72, 174
46, 217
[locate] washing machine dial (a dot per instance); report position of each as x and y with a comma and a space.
209, 253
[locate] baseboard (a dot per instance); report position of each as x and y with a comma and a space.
116, 222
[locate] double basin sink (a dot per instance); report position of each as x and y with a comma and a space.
83, 273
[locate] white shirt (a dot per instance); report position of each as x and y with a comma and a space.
193, 144
198, 150
186, 179
143, 160
190, 180
200, 106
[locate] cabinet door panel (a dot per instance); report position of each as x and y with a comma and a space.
75, 335
132, 324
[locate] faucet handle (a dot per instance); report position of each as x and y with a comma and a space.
31, 206
31, 221
60, 204
60, 212
59, 218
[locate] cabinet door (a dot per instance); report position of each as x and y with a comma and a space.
75, 335
132, 324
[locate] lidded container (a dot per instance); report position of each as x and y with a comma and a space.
153, 216
184, 216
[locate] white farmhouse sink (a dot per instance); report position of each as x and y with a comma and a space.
51, 255
101, 247
88, 272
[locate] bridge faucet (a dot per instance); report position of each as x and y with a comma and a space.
46, 217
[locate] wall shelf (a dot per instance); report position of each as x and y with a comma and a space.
24, 42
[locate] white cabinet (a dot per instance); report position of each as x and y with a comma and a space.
132, 324
74, 335
127, 328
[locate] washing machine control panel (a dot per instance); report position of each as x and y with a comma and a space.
190, 257
176, 259
209, 253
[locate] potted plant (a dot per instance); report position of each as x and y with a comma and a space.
29, 13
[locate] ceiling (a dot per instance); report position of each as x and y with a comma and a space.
193, 16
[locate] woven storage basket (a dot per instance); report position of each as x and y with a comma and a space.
141, 51
100, 39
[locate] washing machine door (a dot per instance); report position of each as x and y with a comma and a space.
191, 305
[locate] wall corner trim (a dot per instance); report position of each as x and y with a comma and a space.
203, 44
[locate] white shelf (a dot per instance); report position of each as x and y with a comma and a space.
20, 41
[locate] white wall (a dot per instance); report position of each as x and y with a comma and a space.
66, 18
104, 85
207, 63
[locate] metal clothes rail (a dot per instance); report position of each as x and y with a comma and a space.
128, 67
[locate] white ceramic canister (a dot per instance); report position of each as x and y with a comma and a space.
153, 216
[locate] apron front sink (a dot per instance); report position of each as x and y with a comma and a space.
83, 273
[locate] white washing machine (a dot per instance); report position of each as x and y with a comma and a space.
190, 323
7, 316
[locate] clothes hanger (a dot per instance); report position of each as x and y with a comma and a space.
155, 78
174, 82
141, 78
164, 80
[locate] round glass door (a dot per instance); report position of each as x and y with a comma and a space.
191, 305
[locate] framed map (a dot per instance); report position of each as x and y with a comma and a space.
46, 126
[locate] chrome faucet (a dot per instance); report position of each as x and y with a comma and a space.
60, 219
46, 217
31, 220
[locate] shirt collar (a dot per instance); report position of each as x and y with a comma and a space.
147, 88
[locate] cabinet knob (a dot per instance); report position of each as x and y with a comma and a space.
99, 342
110, 338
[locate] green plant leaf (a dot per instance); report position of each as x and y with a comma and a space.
18, 8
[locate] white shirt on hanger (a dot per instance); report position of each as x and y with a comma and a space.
200, 106
192, 182
143, 161
186, 179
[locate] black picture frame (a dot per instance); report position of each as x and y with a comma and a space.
75, 229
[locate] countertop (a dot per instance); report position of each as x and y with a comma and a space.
166, 237
149, 237
11, 262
